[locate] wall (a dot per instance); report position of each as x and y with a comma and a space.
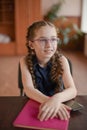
72, 10
69, 7
84, 23
85, 46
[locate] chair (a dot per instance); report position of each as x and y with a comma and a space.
70, 65
20, 84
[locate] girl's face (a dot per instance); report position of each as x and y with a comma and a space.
45, 43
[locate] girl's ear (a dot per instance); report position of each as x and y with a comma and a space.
31, 45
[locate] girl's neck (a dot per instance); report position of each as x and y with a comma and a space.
43, 63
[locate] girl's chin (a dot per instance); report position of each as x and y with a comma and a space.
48, 52
48, 55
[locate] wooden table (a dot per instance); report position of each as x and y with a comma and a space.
11, 106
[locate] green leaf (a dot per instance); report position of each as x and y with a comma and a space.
65, 39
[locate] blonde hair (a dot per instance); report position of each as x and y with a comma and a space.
56, 69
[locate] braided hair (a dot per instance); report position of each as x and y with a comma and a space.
56, 69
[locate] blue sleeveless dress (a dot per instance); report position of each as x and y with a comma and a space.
43, 81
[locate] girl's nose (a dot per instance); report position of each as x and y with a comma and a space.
48, 42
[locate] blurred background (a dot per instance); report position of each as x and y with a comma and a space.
69, 16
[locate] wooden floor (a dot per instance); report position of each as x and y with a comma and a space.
9, 73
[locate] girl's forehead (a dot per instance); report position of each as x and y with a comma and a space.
46, 31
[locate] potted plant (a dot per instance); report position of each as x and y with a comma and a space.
69, 32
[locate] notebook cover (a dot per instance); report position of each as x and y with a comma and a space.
27, 118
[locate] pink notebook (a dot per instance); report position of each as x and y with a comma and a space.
27, 118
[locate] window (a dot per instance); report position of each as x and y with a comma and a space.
84, 16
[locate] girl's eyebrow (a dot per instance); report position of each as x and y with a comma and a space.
47, 37
42, 37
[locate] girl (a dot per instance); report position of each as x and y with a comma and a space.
45, 72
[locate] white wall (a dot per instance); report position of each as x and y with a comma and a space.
84, 17
84, 23
69, 7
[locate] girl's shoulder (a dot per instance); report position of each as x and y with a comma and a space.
62, 58
22, 61
64, 61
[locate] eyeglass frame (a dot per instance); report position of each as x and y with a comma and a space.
46, 40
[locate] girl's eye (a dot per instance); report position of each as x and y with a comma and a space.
53, 40
43, 40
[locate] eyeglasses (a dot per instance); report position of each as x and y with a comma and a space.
43, 41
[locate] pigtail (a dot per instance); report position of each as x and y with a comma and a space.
29, 57
56, 70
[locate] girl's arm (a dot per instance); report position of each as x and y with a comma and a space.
49, 108
29, 89
54, 105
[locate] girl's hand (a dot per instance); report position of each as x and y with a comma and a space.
49, 109
53, 108
63, 112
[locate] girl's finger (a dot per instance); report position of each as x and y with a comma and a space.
65, 113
